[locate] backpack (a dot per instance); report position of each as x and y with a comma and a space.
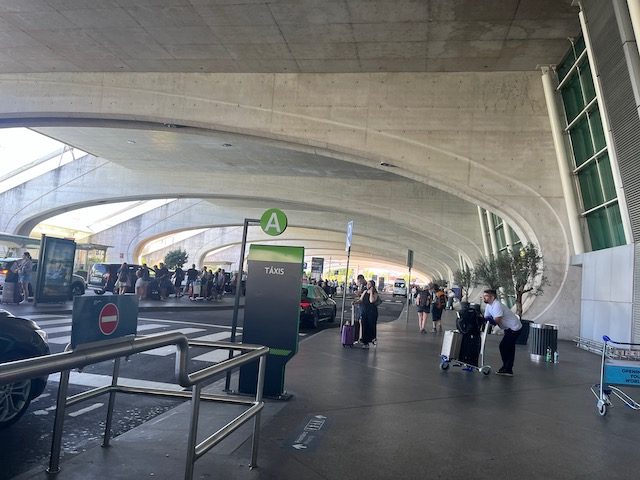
440, 300
424, 299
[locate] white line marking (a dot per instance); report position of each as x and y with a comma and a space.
109, 319
86, 409
36, 317
66, 339
95, 380
214, 337
216, 356
44, 323
44, 395
197, 324
171, 349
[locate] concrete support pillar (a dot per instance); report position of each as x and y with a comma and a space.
483, 230
507, 234
629, 27
613, 157
492, 233
549, 83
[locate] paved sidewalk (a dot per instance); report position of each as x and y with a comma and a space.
390, 412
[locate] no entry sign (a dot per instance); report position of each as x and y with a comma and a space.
108, 318
103, 318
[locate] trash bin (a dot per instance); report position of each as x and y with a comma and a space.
543, 336
524, 332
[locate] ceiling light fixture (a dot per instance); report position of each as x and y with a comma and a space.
227, 145
131, 142
385, 164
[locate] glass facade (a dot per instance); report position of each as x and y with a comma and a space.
591, 165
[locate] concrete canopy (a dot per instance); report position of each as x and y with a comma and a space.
283, 35
479, 136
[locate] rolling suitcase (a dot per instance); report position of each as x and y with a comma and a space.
347, 335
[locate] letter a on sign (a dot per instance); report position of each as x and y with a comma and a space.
273, 222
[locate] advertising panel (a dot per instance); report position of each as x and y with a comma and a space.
317, 267
55, 270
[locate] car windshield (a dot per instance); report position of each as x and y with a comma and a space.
307, 292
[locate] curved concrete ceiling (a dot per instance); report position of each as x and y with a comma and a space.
284, 35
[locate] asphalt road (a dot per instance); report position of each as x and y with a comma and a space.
26, 444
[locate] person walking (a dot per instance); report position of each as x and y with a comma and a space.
24, 275
499, 314
438, 302
192, 276
423, 305
369, 301
122, 279
178, 277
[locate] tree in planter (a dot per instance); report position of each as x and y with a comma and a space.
176, 258
521, 272
464, 278
487, 273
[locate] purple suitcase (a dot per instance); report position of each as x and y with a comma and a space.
347, 335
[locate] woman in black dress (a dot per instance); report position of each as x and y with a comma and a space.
369, 299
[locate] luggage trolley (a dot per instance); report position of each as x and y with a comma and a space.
464, 347
620, 366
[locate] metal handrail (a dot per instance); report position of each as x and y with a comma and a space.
98, 352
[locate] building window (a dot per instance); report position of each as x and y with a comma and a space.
591, 164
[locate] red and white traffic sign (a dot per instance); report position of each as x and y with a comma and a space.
108, 318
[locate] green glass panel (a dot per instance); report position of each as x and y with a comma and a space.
579, 46
514, 237
500, 238
599, 229
596, 127
563, 68
607, 178
587, 81
590, 186
615, 220
572, 98
581, 142
496, 220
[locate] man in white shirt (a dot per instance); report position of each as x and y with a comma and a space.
499, 314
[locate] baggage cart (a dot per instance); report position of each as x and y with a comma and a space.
453, 344
620, 366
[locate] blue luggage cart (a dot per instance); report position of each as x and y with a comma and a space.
620, 366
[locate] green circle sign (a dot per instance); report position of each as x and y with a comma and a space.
273, 222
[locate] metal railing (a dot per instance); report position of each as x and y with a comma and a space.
94, 353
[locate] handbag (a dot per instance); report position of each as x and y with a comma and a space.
378, 301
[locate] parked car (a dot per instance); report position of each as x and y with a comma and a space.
102, 278
315, 305
20, 338
78, 285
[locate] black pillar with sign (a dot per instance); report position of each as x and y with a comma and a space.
271, 313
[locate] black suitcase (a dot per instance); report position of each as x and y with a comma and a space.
470, 348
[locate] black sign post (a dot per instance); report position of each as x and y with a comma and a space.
271, 313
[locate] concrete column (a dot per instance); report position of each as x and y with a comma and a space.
613, 157
629, 27
507, 234
483, 230
492, 233
549, 83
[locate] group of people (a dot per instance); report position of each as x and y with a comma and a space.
367, 310
330, 287
432, 299
203, 283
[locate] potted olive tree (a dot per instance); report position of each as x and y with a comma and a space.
486, 272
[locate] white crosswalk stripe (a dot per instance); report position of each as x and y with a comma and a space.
95, 380
171, 349
67, 338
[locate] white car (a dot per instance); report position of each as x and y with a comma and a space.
399, 288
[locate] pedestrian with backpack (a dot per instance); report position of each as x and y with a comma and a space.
423, 304
438, 302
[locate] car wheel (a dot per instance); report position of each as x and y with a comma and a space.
77, 289
316, 319
14, 401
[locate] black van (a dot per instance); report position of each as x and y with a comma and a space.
102, 278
